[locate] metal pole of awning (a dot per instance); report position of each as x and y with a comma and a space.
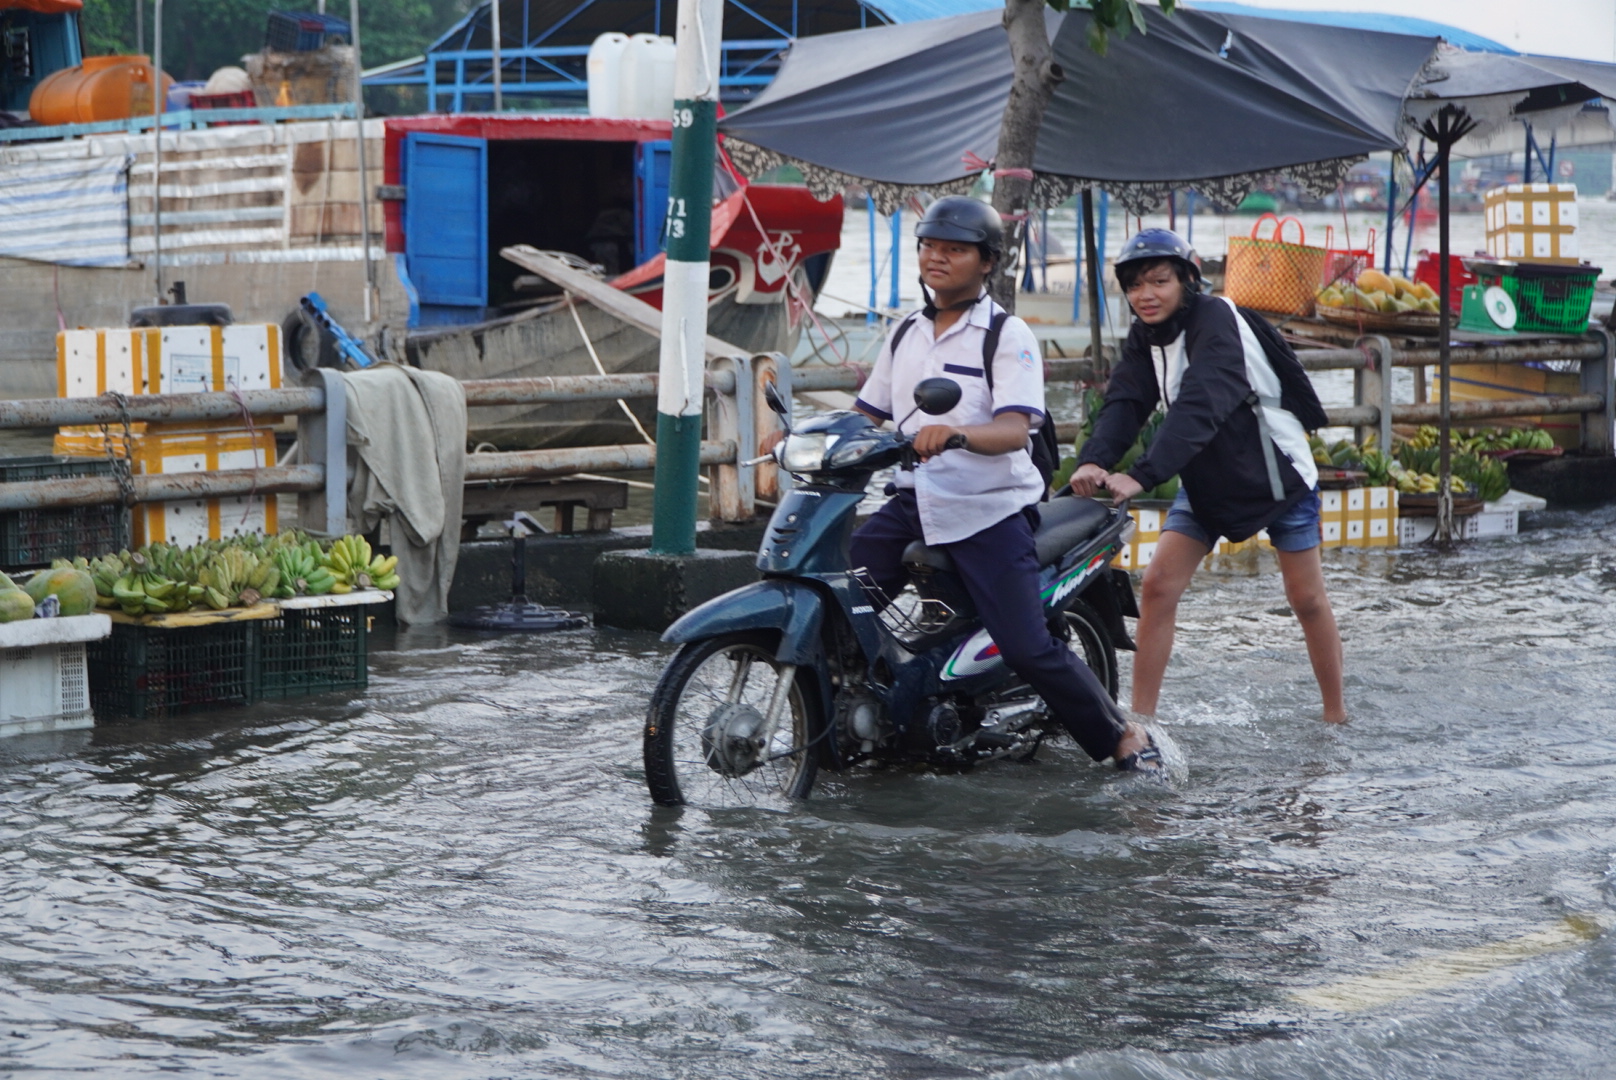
494, 34
157, 145
359, 138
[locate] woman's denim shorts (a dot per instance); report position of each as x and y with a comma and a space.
1297, 529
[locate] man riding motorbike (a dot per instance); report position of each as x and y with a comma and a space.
979, 501
1238, 405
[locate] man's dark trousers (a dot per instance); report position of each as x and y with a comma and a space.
999, 567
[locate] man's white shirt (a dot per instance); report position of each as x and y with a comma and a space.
960, 493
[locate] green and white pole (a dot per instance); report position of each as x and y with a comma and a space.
683, 367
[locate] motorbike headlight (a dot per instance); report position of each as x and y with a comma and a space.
806, 453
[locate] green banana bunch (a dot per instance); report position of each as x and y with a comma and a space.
381, 572
349, 560
301, 573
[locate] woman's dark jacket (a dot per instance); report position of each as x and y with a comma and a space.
1209, 437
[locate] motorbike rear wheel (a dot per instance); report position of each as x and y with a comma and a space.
1087, 636
732, 670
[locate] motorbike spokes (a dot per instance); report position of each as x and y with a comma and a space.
707, 742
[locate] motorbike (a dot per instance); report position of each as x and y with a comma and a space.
811, 668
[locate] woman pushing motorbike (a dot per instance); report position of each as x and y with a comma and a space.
1238, 407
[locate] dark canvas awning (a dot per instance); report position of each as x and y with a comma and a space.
1217, 102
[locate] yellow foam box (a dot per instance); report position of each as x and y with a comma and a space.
168, 360
1356, 517
190, 521
1533, 222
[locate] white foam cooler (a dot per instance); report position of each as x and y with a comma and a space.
44, 683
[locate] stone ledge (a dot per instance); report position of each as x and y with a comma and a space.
641, 590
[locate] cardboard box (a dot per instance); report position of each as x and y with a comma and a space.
1533, 223
190, 521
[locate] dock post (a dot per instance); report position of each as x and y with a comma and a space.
322, 439
733, 492
1373, 386
683, 360
1599, 377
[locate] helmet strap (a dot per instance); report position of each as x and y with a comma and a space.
931, 310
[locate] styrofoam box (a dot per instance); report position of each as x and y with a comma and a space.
44, 682
1492, 521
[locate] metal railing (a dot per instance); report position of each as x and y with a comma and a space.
737, 419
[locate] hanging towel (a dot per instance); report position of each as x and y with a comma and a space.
407, 457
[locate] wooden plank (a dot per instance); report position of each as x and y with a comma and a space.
615, 302
198, 617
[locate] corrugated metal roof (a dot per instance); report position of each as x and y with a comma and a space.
1360, 20
907, 11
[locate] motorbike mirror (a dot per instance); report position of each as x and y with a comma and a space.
936, 396
771, 395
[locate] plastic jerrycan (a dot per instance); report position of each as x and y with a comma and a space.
605, 73
648, 63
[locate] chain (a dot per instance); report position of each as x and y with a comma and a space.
122, 467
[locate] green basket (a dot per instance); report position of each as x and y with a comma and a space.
312, 651
32, 538
148, 673
1548, 299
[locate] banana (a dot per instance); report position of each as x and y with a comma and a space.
342, 588
215, 599
386, 581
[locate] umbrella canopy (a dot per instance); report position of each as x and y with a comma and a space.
1215, 101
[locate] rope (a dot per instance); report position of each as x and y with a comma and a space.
600, 368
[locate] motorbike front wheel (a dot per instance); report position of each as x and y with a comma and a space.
711, 695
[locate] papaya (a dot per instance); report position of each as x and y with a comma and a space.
1374, 281
73, 588
1424, 291
7, 585
15, 606
1405, 287
1331, 297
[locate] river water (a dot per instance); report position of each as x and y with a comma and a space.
460, 875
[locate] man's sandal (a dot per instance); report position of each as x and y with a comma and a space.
1148, 760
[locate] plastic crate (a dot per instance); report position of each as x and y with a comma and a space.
313, 651
239, 99
1548, 299
303, 31
31, 538
148, 673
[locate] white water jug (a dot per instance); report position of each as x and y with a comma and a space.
605, 74
647, 73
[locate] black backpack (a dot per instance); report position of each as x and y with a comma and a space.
1296, 393
1043, 444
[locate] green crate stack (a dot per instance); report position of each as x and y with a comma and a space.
149, 673
32, 538
313, 651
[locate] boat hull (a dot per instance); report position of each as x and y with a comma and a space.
548, 343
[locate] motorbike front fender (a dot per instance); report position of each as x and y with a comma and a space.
795, 609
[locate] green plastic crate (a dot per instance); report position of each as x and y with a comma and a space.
313, 651
149, 673
1548, 299
32, 538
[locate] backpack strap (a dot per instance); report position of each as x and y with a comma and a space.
990, 345
1258, 403
902, 329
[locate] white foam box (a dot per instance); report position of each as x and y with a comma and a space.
168, 360
1533, 223
44, 681
190, 521
1494, 520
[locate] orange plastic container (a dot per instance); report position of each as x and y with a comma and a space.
101, 88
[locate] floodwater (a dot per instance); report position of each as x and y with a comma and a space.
461, 876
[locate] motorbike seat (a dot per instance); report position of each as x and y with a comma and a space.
1063, 524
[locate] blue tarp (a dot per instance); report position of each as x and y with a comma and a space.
1360, 20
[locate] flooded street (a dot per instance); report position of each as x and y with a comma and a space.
461, 874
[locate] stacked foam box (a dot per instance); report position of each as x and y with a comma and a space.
178, 360
1533, 223
1356, 517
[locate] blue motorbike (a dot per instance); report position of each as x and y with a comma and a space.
811, 668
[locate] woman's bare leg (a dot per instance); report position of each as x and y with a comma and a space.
1303, 572
1166, 578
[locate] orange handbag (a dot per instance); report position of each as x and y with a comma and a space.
1273, 275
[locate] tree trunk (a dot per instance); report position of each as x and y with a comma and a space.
1035, 76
